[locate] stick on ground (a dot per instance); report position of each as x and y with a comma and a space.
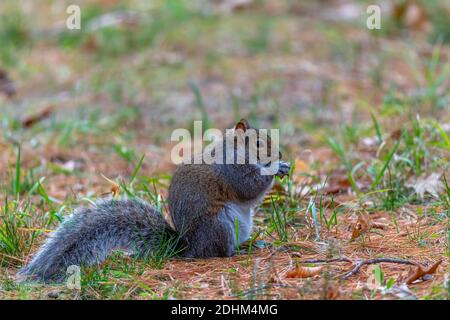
359, 264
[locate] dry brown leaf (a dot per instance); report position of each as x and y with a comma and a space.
420, 272
433, 268
91, 45
415, 16
304, 272
411, 14
337, 183
35, 118
115, 188
414, 275
379, 225
343, 199
360, 227
331, 292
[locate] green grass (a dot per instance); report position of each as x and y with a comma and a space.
332, 221
17, 232
126, 87
14, 36
417, 151
279, 221
339, 150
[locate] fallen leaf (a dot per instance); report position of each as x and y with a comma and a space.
379, 225
360, 227
304, 272
115, 188
419, 273
337, 183
343, 199
433, 268
411, 14
415, 16
33, 119
331, 293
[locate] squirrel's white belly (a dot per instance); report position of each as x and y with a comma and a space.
241, 214
238, 215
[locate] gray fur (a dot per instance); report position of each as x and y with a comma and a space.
89, 235
212, 234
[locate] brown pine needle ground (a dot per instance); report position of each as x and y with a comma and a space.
364, 115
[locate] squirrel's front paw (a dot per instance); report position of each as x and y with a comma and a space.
283, 169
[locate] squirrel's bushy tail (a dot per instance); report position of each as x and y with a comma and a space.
89, 235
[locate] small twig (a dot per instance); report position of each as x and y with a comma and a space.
342, 259
359, 264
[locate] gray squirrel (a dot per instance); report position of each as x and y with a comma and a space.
205, 202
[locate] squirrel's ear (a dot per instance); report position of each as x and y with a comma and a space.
243, 125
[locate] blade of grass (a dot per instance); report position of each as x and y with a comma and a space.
377, 128
236, 228
444, 135
17, 177
312, 207
136, 170
386, 164
339, 150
